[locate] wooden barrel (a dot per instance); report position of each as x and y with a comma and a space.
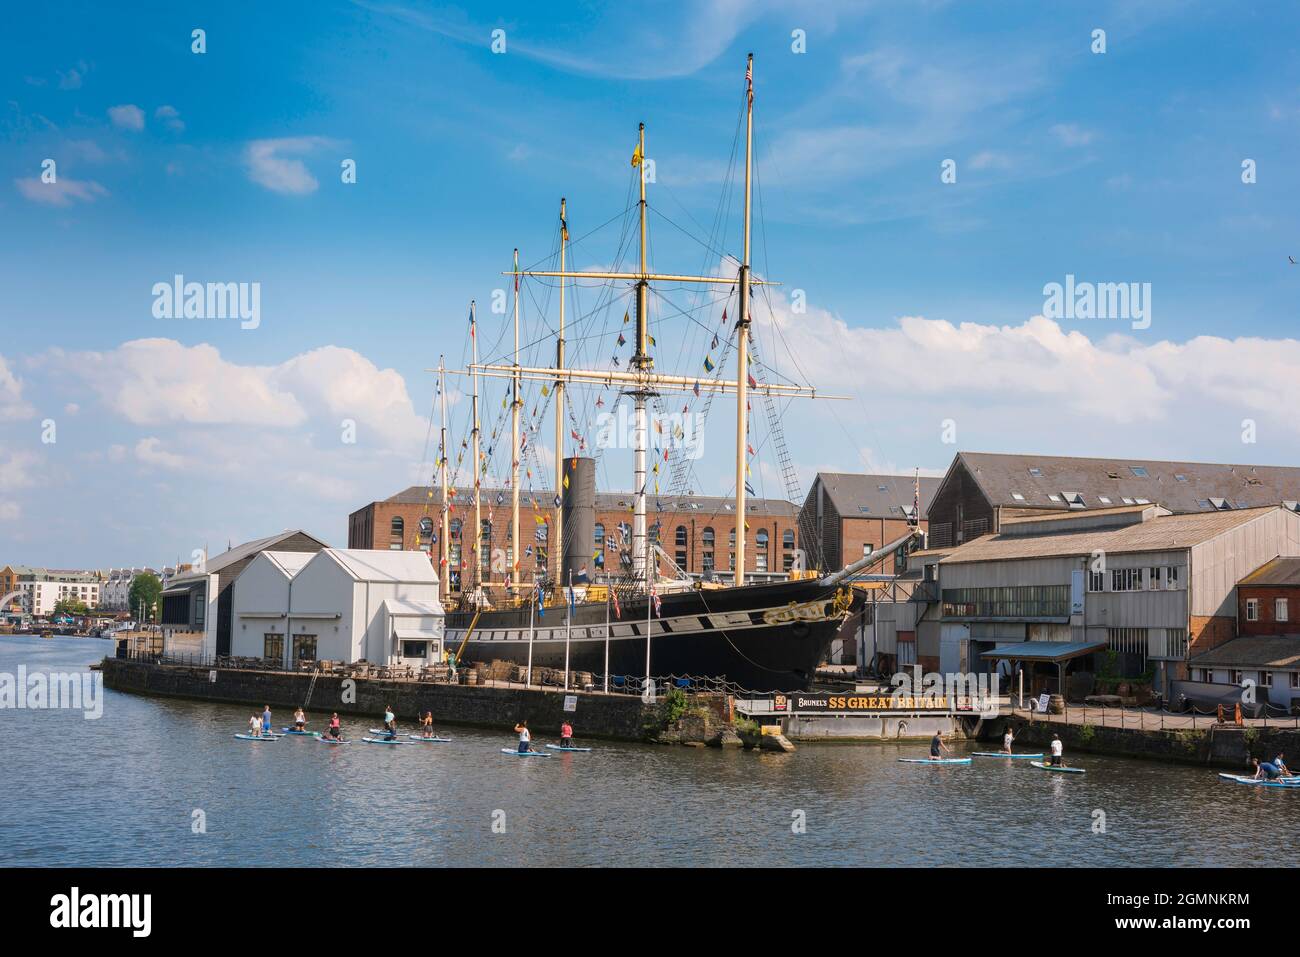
1056, 704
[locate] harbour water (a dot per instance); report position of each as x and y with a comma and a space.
124, 790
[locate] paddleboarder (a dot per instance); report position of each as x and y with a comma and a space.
255, 726
426, 723
299, 720
266, 718
566, 735
937, 747
1057, 759
525, 737
1007, 740
1280, 763
336, 728
390, 722
1265, 770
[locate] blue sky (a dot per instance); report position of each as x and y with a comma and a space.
925, 298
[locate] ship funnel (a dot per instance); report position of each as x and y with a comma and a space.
578, 503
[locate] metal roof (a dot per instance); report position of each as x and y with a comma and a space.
1282, 570
1159, 534
1179, 486
856, 495
1265, 651
1044, 650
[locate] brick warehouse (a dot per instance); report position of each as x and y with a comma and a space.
846, 516
697, 531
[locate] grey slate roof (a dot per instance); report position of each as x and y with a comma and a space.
1253, 651
1243, 486
1282, 570
850, 493
1163, 533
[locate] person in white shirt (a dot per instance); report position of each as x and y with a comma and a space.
1006, 741
525, 737
300, 720
255, 726
1057, 750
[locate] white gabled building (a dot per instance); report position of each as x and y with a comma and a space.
338, 604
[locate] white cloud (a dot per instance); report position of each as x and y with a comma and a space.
269, 166
153, 382
62, 192
170, 117
128, 116
1070, 134
150, 452
12, 405
18, 469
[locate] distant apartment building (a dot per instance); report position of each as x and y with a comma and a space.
981, 490
848, 516
40, 589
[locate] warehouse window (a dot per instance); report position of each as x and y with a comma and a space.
1017, 496
1126, 579
1096, 581
1103, 499
1252, 609
1138, 470
680, 536
396, 533
1279, 609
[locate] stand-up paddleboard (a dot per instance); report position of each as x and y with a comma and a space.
324, 739
1293, 783
1002, 754
934, 760
1061, 769
254, 737
433, 740
380, 731
301, 734
525, 754
560, 747
384, 741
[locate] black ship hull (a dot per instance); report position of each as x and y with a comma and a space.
769, 637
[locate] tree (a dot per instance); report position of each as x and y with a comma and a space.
146, 591
69, 607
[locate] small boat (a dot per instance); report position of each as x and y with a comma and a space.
385, 741
524, 754
934, 760
433, 740
560, 747
1003, 754
1059, 768
255, 737
1293, 783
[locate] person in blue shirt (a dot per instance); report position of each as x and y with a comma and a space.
1265, 770
266, 719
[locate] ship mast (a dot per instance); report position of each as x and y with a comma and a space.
516, 536
640, 380
742, 336
444, 565
555, 539
478, 505
642, 362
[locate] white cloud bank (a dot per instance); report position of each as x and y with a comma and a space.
271, 164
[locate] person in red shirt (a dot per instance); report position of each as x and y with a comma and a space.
566, 735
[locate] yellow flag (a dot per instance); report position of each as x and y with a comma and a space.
636, 156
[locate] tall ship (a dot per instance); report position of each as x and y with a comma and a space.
553, 602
